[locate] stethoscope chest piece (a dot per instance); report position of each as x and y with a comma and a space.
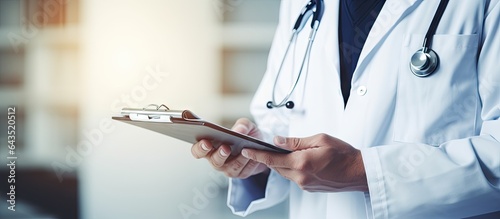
424, 62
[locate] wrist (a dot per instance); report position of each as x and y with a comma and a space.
358, 173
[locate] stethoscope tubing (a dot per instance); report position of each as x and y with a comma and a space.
298, 26
305, 59
422, 64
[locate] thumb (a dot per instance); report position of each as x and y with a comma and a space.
293, 144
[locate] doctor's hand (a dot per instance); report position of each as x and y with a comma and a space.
233, 166
320, 163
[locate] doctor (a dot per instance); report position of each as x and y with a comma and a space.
398, 142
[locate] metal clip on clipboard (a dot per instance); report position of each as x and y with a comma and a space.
157, 114
186, 126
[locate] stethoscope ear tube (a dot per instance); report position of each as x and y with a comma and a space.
285, 101
318, 15
307, 11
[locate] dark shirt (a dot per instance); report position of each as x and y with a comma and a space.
356, 19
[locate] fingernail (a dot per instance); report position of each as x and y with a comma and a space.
223, 153
244, 152
204, 147
280, 140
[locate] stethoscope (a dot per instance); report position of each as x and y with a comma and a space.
314, 8
425, 61
422, 64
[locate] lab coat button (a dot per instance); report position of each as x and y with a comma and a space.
361, 90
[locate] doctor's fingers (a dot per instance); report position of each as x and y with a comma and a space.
234, 166
201, 149
252, 168
270, 159
219, 156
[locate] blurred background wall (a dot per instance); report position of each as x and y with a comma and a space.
69, 65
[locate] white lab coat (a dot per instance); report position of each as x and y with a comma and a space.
430, 146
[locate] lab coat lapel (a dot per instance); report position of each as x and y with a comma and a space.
392, 12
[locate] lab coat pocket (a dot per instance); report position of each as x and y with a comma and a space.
442, 106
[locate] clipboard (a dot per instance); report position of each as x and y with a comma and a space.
186, 126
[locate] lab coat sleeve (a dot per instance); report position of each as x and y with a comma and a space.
249, 195
460, 178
